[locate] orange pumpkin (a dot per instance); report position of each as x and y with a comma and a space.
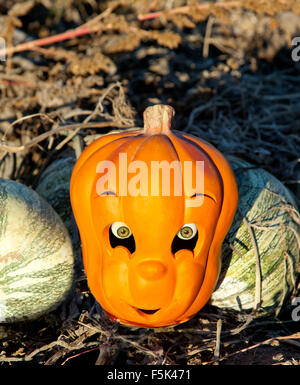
152, 256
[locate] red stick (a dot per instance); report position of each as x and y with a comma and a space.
85, 30
47, 40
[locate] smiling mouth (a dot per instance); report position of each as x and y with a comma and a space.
145, 311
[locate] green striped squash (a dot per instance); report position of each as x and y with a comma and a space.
54, 187
36, 256
260, 254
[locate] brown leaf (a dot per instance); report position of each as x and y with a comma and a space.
181, 21
199, 15
21, 9
92, 65
167, 39
114, 21
126, 42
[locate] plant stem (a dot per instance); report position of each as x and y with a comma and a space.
186, 9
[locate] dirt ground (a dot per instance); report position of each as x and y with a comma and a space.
228, 71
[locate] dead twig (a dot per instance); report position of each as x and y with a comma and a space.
45, 135
290, 338
218, 340
207, 37
187, 9
85, 29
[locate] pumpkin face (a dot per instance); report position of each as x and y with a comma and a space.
151, 246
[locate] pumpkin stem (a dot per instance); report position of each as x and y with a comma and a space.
158, 119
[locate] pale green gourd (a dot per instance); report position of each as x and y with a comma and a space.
267, 210
36, 255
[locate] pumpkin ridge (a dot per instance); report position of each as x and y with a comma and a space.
186, 140
148, 138
114, 142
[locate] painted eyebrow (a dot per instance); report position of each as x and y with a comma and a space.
112, 193
206, 195
108, 192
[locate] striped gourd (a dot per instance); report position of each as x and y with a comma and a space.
261, 251
36, 256
54, 187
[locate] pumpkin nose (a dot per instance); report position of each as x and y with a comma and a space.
152, 270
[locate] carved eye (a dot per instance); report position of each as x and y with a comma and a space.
186, 238
121, 235
120, 230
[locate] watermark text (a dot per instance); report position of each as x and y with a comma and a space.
163, 179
